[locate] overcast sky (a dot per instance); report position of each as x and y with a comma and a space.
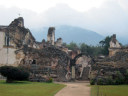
103, 16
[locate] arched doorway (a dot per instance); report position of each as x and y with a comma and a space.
80, 66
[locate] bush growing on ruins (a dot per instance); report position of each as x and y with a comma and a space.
109, 81
126, 77
105, 81
92, 82
49, 80
119, 78
14, 73
100, 81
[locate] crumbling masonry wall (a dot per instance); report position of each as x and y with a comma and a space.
49, 58
105, 68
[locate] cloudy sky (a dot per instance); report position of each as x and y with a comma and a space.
103, 16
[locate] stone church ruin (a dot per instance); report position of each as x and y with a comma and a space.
50, 58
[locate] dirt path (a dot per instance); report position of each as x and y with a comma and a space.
75, 89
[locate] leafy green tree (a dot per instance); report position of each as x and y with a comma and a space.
84, 48
88, 50
72, 46
105, 45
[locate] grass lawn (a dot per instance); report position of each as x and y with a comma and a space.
29, 89
109, 90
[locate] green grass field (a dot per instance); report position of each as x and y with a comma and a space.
29, 89
110, 90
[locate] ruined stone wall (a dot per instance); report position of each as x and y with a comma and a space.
73, 53
49, 58
64, 49
105, 68
58, 42
113, 51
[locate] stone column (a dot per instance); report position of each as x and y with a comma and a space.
73, 72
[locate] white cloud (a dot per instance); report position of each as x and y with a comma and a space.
124, 4
110, 16
43, 5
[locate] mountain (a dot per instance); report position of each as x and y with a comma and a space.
69, 34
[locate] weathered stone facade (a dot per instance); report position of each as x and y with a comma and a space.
43, 59
13, 38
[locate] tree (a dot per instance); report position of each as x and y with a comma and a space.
90, 50
72, 46
105, 44
86, 49
83, 48
14, 73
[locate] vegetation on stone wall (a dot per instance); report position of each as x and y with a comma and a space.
117, 78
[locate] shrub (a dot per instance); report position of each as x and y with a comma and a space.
92, 82
126, 77
119, 78
116, 79
49, 80
109, 81
14, 73
100, 81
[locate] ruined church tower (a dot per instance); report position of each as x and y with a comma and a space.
114, 46
18, 22
51, 35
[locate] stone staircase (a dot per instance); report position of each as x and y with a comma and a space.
39, 74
